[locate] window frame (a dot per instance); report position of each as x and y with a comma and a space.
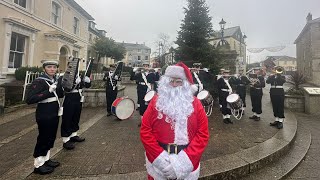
19, 3
15, 51
56, 15
76, 25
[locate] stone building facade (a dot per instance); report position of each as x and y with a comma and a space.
236, 41
32, 30
136, 54
308, 50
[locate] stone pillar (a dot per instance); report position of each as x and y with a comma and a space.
5, 56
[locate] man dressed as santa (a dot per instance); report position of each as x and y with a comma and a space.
174, 129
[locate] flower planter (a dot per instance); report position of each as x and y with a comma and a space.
97, 97
294, 103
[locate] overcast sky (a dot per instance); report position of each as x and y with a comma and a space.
267, 23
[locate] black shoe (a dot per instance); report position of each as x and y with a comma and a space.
229, 120
226, 121
68, 145
109, 114
138, 108
77, 139
43, 170
253, 117
280, 125
52, 163
257, 118
274, 123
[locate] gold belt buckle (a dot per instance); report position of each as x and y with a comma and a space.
175, 148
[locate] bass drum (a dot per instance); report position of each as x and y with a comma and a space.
123, 107
234, 101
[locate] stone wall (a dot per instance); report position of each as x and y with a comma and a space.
2, 100
97, 97
294, 103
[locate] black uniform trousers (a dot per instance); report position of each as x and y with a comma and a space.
111, 95
223, 102
256, 98
71, 114
142, 91
241, 90
277, 100
48, 120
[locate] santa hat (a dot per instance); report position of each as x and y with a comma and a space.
179, 70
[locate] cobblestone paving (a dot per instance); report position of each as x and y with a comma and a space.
114, 147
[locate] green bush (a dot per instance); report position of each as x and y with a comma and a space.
20, 73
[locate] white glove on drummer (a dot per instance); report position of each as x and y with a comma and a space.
52, 88
78, 80
87, 79
116, 77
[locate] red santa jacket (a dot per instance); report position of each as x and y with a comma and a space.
155, 129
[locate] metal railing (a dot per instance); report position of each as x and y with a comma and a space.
30, 76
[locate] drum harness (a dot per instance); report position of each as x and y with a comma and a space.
235, 112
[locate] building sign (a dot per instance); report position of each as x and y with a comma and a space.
312, 90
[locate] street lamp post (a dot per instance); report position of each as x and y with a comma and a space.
222, 24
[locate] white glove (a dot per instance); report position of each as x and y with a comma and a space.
87, 79
116, 77
52, 88
169, 172
78, 80
200, 87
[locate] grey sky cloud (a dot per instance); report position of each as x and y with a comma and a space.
267, 23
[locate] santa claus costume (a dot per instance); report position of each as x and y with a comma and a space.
174, 129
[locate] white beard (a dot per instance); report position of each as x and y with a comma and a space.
176, 104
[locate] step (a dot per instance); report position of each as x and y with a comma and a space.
286, 164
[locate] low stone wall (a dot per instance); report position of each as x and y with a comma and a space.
294, 103
126, 80
97, 97
2, 100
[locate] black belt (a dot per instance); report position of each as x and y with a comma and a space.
172, 148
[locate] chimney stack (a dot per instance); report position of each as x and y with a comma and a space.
309, 17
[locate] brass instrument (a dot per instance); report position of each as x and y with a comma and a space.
253, 78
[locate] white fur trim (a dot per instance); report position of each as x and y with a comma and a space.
175, 72
39, 161
47, 157
181, 136
154, 172
155, 168
181, 164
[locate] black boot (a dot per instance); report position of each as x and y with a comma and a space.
253, 117
68, 145
77, 139
226, 121
229, 120
280, 125
52, 163
109, 114
274, 123
43, 170
257, 118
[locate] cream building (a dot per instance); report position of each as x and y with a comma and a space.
32, 30
136, 54
235, 39
308, 50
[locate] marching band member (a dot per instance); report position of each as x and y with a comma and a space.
224, 90
132, 77
146, 83
197, 86
174, 130
111, 87
220, 74
241, 87
45, 90
256, 92
277, 96
72, 106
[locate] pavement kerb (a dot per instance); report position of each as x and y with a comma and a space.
26, 168
235, 165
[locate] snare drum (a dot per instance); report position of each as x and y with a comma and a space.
234, 101
149, 96
123, 107
205, 98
